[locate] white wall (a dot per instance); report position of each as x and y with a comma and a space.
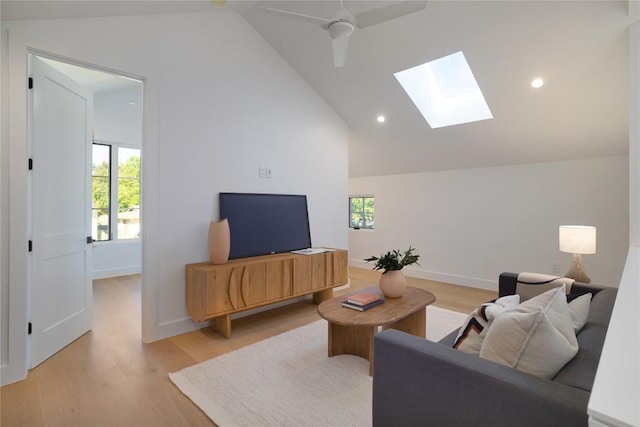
219, 103
470, 225
117, 258
116, 120
616, 389
634, 125
4, 204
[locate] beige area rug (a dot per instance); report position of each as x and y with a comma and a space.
288, 380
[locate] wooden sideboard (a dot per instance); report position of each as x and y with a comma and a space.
216, 292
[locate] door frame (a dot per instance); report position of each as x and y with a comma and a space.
16, 147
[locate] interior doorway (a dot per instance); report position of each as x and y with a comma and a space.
113, 174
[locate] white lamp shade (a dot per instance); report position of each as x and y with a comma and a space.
577, 239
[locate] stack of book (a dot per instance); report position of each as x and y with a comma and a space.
363, 301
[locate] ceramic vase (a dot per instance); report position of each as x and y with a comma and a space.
393, 283
219, 241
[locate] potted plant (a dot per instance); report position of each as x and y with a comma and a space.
392, 280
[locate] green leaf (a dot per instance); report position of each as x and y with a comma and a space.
394, 260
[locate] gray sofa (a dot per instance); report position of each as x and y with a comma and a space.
417, 382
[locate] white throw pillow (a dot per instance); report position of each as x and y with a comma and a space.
530, 285
579, 309
536, 337
474, 328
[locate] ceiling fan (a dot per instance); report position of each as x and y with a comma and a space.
344, 24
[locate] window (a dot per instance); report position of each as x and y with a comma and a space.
361, 212
115, 192
445, 91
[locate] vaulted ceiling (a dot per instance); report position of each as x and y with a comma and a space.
579, 48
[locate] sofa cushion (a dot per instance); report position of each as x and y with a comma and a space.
580, 372
474, 328
536, 337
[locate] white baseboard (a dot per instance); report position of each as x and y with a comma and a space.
455, 279
181, 326
9, 376
173, 328
115, 272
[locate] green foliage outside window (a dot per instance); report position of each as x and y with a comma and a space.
100, 188
361, 212
129, 184
126, 181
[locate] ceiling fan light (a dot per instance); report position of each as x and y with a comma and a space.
341, 29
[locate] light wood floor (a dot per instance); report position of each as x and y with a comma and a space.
108, 377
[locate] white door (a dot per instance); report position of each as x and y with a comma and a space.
61, 297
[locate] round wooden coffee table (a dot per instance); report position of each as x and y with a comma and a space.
352, 331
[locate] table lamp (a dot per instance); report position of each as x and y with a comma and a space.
577, 240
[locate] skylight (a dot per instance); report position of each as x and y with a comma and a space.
445, 91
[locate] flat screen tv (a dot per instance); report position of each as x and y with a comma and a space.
262, 224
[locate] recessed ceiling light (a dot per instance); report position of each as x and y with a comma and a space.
536, 83
445, 91
381, 119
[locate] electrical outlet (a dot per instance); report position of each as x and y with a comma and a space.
555, 268
264, 172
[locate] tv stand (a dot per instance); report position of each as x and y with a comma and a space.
215, 292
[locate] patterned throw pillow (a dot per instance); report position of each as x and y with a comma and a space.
475, 327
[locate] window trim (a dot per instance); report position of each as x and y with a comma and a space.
110, 189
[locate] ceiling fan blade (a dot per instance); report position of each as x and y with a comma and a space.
344, 15
382, 14
243, 7
340, 47
299, 16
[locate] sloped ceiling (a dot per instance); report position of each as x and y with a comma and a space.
578, 47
